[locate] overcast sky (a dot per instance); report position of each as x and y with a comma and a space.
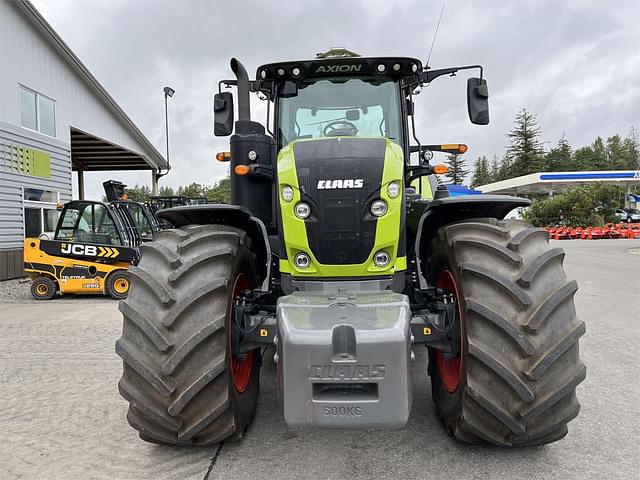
576, 64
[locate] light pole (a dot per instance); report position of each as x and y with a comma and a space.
168, 92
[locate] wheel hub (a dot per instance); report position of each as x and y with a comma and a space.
240, 368
450, 368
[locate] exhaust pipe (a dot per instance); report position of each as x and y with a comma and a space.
244, 110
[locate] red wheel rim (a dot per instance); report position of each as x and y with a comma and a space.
450, 368
240, 369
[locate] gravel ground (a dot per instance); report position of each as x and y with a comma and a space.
18, 292
62, 418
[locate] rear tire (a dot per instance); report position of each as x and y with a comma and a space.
178, 372
43, 288
520, 363
118, 285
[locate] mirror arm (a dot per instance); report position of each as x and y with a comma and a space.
429, 75
226, 83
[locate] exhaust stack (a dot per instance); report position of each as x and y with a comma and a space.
244, 109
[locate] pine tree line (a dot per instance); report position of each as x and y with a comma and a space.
526, 154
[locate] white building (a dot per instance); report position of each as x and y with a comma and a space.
55, 119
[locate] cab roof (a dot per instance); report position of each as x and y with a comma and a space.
335, 66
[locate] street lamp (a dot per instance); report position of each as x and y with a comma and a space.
168, 92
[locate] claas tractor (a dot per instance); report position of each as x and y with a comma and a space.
93, 246
333, 260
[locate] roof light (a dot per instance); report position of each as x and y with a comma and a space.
252, 155
280, 71
396, 67
263, 74
381, 67
414, 67
295, 71
439, 169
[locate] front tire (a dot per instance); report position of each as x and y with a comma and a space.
182, 383
43, 288
514, 382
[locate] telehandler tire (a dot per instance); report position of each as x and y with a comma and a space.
182, 383
43, 288
515, 380
118, 285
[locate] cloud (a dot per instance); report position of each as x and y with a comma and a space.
573, 63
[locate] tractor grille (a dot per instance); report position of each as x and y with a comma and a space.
340, 229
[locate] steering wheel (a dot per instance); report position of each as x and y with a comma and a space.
340, 128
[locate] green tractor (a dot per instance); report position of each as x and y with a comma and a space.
339, 258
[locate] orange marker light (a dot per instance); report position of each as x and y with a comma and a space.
462, 148
223, 156
440, 169
241, 170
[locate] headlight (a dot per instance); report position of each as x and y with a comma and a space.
302, 260
393, 189
378, 208
287, 193
302, 210
381, 259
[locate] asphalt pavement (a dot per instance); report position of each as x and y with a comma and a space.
62, 418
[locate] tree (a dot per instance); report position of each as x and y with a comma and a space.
631, 148
457, 172
588, 206
525, 152
494, 171
560, 157
165, 191
481, 174
138, 193
193, 190
220, 192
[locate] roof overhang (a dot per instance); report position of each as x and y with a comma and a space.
551, 182
90, 153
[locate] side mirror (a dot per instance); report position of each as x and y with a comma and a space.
222, 114
478, 101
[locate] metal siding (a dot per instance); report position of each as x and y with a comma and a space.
11, 264
11, 183
36, 64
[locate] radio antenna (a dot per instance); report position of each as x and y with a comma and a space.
435, 34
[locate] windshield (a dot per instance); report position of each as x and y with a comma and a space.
335, 107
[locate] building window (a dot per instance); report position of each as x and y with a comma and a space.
37, 112
40, 211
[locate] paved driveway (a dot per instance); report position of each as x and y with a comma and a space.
61, 416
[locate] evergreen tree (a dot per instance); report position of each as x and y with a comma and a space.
457, 172
525, 152
481, 174
560, 157
631, 148
615, 153
494, 171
